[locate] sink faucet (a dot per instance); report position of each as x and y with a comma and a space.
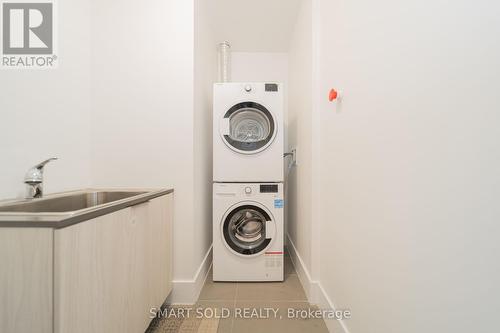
34, 180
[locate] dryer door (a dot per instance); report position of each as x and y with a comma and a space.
248, 229
248, 128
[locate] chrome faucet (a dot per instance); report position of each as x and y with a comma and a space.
34, 180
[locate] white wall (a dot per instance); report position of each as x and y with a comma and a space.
254, 26
142, 107
151, 106
205, 74
45, 113
410, 164
300, 129
259, 67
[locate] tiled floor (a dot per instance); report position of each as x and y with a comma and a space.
279, 296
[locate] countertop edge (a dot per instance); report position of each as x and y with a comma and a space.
87, 215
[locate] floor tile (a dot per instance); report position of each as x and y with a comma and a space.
216, 308
190, 325
289, 290
209, 326
175, 320
289, 269
279, 322
217, 291
223, 307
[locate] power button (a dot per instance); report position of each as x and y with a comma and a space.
248, 190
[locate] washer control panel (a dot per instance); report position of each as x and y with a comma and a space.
253, 189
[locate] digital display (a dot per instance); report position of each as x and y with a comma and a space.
271, 87
269, 188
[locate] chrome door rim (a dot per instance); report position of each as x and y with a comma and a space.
229, 242
249, 148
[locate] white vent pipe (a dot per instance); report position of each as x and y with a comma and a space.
224, 62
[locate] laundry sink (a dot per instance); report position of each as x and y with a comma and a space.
68, 203
64, 209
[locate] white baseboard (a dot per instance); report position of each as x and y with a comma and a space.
186, 292
302, 271
314, 290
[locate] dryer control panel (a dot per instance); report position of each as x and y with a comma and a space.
269, 188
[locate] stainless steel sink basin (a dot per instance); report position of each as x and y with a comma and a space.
61, 210
67, 203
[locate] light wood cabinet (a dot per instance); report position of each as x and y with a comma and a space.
108, 272
26, 280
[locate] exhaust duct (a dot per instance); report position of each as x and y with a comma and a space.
224, 62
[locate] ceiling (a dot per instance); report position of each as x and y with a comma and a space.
254, 25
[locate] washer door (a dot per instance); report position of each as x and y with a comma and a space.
247, 229
248, 128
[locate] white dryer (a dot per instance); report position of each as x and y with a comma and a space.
248, 232
248, 132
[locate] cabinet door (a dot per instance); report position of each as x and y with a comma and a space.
26, 280
92, 274
110, 271
139, 268
151, 262
161, 217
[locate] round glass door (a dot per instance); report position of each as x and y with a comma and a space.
244, 230
251, 128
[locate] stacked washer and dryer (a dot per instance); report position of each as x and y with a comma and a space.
248, 198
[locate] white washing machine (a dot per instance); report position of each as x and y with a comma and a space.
248, 132
248, 232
